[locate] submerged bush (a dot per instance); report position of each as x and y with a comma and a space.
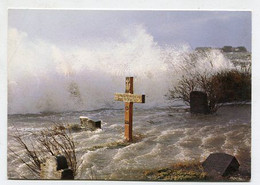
39, 145
234, 85
222, 87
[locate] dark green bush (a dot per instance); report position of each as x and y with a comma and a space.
234, 86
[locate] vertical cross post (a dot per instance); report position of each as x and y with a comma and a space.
129, 88
129, 98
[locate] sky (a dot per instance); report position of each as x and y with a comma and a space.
67, 28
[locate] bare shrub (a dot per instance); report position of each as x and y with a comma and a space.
42, 144
74, 127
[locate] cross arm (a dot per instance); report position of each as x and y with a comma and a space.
127, 97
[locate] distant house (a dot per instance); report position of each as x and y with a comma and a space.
225, 49
234, 49
241, 49
203, 48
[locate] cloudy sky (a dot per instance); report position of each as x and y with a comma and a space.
78, 27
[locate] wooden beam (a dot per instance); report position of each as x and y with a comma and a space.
127, 97
129, 85
129, 89
128, 121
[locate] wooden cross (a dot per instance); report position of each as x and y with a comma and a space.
129, 98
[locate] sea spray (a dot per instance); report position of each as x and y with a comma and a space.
43, 77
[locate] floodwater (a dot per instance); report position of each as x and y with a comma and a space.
166, 136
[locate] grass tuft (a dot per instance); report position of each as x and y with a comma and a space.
185, 171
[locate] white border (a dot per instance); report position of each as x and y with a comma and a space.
232, 5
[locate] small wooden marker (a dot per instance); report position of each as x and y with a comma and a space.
129, 98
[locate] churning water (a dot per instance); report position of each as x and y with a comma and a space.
50, 83
168, 136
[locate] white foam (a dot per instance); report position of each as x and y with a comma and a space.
43, 77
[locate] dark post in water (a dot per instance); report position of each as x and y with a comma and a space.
129, 98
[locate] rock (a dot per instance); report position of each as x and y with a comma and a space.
49, 169
61, 162
220, 164
198, 102
67, 174
56, 168
89, 123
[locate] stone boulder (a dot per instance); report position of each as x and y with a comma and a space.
199, 102
67, 174
56, 168
61, 162
89, 124
221, 164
